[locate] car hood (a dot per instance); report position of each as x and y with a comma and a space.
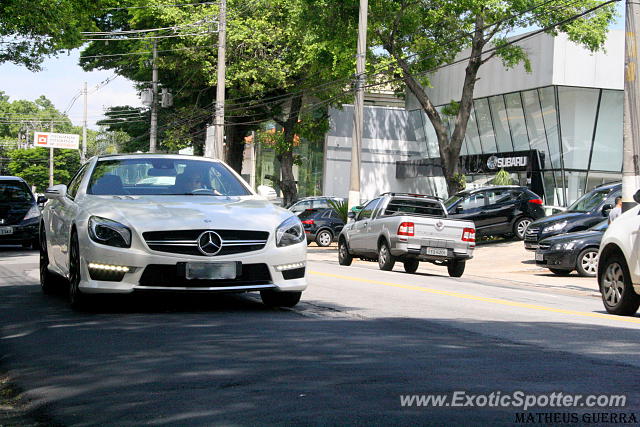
595, 236
562, 216
151, 213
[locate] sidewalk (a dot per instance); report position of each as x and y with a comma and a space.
503, 262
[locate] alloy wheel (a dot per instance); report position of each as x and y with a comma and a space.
324, 238
522, 226
613, 284
589, 262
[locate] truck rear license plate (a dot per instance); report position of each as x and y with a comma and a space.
211, 271
434, 251
6, 230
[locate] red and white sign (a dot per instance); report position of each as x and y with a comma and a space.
56, 140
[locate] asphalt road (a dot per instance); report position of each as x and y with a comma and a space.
359, 340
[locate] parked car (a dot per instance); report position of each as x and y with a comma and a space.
584, 213
498, 210
619, 264
572, 251
19, 213
408, 228
321, 225
210, 232
320, 202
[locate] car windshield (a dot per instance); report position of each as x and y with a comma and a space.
165, 177
14, 192
453, 200
589, 201
601, 226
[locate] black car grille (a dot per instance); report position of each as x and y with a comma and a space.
185, 242
167, 276
531, 235
10, 216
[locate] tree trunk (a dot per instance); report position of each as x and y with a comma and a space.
289, 188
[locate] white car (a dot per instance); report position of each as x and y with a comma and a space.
112, 230
619, 263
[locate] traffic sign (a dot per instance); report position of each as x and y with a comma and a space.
56, 140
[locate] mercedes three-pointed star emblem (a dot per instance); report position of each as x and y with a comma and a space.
209, 243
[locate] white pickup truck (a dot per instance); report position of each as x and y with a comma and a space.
408, 228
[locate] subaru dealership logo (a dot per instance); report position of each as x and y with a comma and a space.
495, 162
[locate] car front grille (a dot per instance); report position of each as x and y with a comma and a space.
531, 235
185, 242
173, 276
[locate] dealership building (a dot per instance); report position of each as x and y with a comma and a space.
557, 129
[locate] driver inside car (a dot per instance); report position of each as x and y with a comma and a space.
189, 181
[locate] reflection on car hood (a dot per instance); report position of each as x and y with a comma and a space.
150, 213
595, 236
562, 216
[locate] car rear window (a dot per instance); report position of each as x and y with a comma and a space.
14, 191
414, 207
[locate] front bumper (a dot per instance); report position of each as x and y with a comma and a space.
26, 231
138, 259
561, 260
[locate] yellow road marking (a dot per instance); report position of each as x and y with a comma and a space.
483, 299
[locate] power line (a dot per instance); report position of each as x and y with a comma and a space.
162, 5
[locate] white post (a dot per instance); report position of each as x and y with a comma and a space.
154, 102
83, 153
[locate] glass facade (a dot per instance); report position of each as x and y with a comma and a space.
577, 131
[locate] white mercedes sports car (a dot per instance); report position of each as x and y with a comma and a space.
148, 222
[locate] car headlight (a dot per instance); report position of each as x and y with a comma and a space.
555, 227
34, 212
290, 232
563, 246
109, 232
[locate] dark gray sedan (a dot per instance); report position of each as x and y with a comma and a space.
572, 251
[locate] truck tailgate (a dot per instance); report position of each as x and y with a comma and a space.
441, 229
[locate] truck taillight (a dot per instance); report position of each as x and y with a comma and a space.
308, 222
406, 229
469, 235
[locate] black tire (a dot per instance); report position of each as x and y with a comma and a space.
520, 227
587, 263
559, 272
411, 265
324, 238
616, 289
48, 281
77, 299
386, 261
280, 299
344, 257
456, 267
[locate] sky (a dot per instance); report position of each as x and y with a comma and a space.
62, 78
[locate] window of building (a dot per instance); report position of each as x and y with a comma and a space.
607, 146
550, 119
500, 123
485, 127
578, 108
517, 126
473, 137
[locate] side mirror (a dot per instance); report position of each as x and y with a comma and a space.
351, 215
606, 209
636, 196
56, 192
41, 200
267, 192
459, 209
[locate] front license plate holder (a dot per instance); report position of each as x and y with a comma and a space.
539, 257
212, 270
425, 250
6, 230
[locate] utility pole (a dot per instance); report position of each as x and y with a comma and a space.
51, 159
83, 153
631, 128
358, 114
217, 151
154, 101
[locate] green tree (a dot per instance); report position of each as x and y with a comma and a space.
33, 166
30, 30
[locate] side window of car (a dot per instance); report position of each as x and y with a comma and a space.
327, 214
473, 201
301, 206
366, 212
496, 197
611, 198
320, 204
335, 215
74, 184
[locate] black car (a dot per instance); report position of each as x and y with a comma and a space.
499, 210
584, 213
321, 225
572, 251
19, 213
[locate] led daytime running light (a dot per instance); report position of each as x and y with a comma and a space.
106, 267
291, 266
